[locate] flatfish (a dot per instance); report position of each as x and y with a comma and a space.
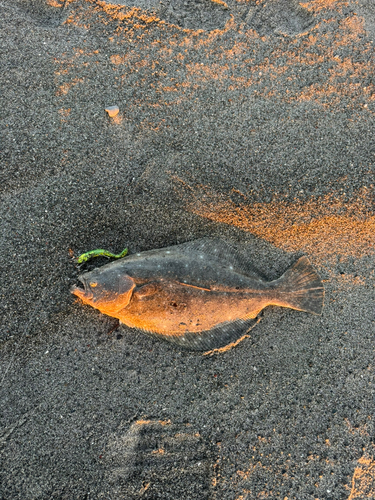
201, 294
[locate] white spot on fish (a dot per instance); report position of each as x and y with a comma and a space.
167, 251
201, 256
231, 267
138, 254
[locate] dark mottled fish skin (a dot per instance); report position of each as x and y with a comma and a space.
201, 294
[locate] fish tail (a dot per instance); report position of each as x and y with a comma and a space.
300, 288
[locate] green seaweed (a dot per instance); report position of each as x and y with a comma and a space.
99, 253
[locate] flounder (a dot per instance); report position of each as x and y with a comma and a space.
201, 294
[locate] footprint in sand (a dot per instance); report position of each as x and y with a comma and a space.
158, 459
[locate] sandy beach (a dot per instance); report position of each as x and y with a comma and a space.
248, 120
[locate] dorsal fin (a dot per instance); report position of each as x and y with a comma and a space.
221, 252
215, 249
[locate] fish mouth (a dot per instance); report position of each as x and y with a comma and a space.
82, 292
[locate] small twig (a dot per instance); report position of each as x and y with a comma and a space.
114, 328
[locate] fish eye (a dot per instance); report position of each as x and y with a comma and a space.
93, 284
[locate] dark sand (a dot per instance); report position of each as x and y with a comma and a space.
252, 120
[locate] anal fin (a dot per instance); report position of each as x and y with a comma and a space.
215, 338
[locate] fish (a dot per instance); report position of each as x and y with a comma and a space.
201, 295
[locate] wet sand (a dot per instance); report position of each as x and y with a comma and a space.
248, 120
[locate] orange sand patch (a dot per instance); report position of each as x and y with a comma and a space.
64, 113
345, 281
234, 67
323, 227
147, 422
169, 89
64, 89
353, 26
221, 3
307, 59
117, 59
75, 59
319, 92
143, 422
159, 451
246, 474
243, 477
238, 48
318, 5
363, 480
117, 119
83, 17
56, 3
119, 13
76, 19
207, 72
